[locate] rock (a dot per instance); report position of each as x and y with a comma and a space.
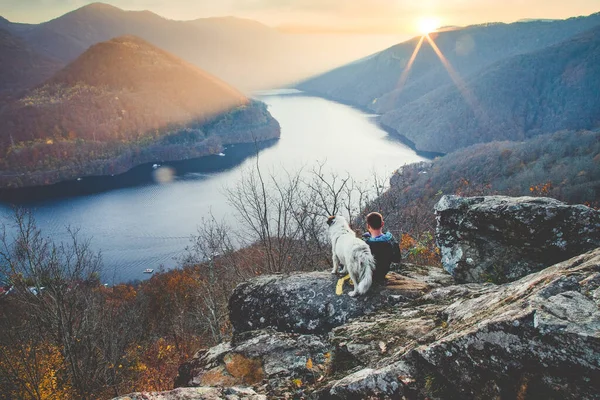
500, 239
307, 303
258, 356
431, 276
385, 382
198, 393
538, 337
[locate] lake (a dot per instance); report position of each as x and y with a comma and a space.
138, 223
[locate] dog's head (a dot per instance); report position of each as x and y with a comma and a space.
336, 220
331, 220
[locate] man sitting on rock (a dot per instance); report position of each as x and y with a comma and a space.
384, 247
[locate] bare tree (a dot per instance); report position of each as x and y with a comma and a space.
56, 286
213, 253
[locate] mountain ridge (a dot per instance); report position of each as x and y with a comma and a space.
244, 53
373, 83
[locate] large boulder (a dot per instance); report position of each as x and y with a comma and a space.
307, 302
538, 337
500, 239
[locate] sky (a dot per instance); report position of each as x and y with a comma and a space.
376, 16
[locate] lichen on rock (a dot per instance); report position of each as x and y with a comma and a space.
500, 239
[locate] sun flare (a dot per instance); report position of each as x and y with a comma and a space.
426, 25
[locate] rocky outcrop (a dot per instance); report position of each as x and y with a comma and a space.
500, 239
199, 393
538, 337
307, 303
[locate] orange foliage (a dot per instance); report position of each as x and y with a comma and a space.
40, 369
172, 291
155, 366
466, 188
541, 190
422, 250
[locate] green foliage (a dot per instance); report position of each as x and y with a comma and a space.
184, 136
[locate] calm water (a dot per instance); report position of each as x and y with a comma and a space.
140, 224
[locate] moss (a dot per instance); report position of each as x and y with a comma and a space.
495, 275
431, 386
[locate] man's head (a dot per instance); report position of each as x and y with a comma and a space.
374, 222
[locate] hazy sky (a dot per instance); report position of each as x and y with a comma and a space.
378, 15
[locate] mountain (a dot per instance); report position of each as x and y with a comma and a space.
68, 36
374, 81
122, 103
20, 66
546, 91
242, 52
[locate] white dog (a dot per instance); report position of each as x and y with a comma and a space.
352, 253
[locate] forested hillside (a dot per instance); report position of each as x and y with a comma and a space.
122, 103
564, 165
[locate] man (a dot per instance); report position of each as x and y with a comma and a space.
384, 246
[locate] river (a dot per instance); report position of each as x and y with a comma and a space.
137, 223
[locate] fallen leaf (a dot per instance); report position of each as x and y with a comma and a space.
383, 347
309, 363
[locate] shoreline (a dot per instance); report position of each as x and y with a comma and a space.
137, 175
430, 155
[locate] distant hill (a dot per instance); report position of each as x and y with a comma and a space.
122, 103
242, 52
542, 92
373, 82
20, 66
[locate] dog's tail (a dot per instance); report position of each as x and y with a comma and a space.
367, 267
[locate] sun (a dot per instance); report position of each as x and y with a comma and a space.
426, 25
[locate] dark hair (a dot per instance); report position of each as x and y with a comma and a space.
375, 220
